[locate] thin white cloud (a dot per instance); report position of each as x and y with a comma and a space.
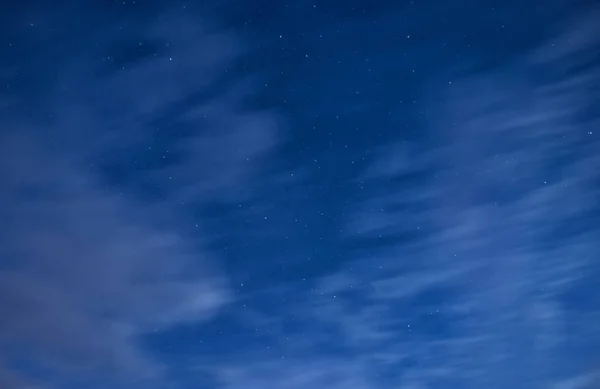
479, 296
88, 267
584, 381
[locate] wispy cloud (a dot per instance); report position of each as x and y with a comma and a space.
471, 247
502, 224
88, 266
478, 246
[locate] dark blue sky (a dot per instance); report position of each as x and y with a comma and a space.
300, 195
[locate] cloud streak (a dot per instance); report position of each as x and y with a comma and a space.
476, 248
469, 248
88, 266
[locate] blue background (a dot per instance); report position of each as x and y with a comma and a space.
334, 194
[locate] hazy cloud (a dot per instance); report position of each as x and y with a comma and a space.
88, 266
500, 238
474, 241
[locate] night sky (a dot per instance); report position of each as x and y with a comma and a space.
348, 194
